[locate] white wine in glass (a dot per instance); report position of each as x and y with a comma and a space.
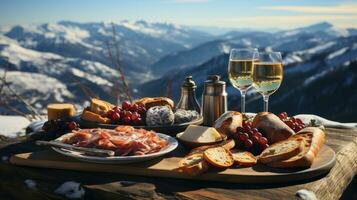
240, 69
267, 75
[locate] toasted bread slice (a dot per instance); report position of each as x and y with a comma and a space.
218, 157
281, 150
244, 158
193, 164
312, 138
100, 107
93, 117
227, 144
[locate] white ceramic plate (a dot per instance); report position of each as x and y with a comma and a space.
117, 159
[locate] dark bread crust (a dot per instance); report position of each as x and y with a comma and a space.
275, 130
228, 123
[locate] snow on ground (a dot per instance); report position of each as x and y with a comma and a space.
71, 190
31, 184
13, 126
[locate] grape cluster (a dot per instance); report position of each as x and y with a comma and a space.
59, 125
128, 114
294, 123
250, 139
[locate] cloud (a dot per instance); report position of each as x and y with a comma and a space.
288, 21
336, 9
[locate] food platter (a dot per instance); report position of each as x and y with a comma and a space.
172, 144
167, 129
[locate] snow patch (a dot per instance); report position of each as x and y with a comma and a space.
337, 53
71, 190
31, 184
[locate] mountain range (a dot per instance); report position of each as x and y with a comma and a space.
56, 62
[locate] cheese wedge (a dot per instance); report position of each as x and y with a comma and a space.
60, 111
100, 107
200, 134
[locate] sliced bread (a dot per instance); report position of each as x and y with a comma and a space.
312, 138
244, 158
193, 164
281, 150
218, 157
227, 144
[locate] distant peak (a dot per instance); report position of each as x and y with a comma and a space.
317, 27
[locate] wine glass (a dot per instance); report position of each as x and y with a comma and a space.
240, 69
267, 74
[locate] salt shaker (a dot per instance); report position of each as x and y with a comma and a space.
188, 99
214, 99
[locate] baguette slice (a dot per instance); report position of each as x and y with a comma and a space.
227, 144
218, 157
313, 138
193, 164
281, 151
244, 158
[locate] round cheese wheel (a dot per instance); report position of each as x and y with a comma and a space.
159, 115
60, 111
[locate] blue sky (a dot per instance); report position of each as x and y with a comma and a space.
221, 13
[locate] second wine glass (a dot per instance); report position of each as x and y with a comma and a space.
240, 69
267, 74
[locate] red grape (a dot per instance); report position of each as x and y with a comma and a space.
263, 141
115, 117
283, 115
110, 113
248, 144
134, 116
247, 123
125, 105
127, 120
127, 114
242, 136
290, 124
255, 139
246, 128
134, 108
72, 125
292, 119
258, 134
116, 109
255, 130
299, 121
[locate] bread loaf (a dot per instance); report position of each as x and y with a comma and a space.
149, 102
313, 138
228, 123
273, 128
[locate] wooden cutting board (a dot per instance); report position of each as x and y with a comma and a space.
167, 167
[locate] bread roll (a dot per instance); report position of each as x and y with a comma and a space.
274, 129
313, 139
149, 102
228, 122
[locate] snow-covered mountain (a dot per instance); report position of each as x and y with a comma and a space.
59, 61
313, 66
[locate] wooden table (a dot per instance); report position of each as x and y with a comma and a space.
339, 183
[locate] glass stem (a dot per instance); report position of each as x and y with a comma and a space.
242, 101
266, 102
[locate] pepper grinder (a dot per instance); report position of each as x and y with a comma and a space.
214, 99
188, 99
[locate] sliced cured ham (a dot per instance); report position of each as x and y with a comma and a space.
124, 140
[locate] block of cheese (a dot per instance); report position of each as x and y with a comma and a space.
200, 134
60, 111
